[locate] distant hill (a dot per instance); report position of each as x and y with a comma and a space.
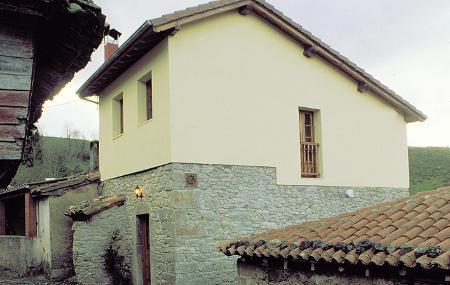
59, 157
54, 158
429, 168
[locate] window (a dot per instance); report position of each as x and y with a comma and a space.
149, 99
145, 98
118, 115
309, 148
18, 216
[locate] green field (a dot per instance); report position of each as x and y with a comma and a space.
429, 166
60, 157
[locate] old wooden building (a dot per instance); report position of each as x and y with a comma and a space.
42, 44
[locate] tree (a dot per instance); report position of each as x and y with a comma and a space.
33, 148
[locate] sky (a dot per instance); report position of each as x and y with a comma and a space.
404, 43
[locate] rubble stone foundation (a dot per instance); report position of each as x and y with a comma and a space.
186, 224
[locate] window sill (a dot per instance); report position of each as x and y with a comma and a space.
145, 122
118, 136
310, 176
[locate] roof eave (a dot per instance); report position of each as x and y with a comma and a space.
85, 90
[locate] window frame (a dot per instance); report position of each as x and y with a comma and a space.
149, 99
118, 116
310, 152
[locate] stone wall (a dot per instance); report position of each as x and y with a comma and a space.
60, 227
186, 224
90, 242
253, 274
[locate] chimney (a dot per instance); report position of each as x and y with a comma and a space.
110, 48
111, 42
93, 156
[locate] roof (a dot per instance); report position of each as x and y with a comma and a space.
65, 36
153, 31
56, 187
411, 231
89, 208
46, 43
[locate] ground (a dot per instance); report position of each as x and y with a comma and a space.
10, 278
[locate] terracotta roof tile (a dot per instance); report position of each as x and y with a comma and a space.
411, 231
55, 187
89, 208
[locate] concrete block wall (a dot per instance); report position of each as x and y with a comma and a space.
186, 224
19, 254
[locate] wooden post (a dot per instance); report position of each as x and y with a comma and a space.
30, 216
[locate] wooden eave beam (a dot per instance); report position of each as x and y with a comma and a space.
363, 87
245, 10
16, 9
174, 31
310, 51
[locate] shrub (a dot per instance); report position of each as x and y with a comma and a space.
115, 263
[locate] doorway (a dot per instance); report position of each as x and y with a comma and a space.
143, 241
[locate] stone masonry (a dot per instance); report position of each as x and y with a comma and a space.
250, 274
186, 224
90, 241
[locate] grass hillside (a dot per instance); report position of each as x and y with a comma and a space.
429, 168
54, 158
59, 157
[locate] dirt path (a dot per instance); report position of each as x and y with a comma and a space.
9, 278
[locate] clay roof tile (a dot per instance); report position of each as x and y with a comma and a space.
408, 231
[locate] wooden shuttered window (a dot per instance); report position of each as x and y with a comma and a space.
308, 147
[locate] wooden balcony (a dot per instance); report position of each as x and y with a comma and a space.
310, 153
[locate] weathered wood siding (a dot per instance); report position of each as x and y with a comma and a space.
16, 71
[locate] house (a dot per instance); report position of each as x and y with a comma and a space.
35, 236
229, 118
406, 241
43, 43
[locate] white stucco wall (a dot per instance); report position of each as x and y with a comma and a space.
236, 85
227, 91
143, 144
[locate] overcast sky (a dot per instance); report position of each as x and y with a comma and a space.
403, 43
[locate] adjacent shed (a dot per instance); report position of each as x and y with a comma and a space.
34, 233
